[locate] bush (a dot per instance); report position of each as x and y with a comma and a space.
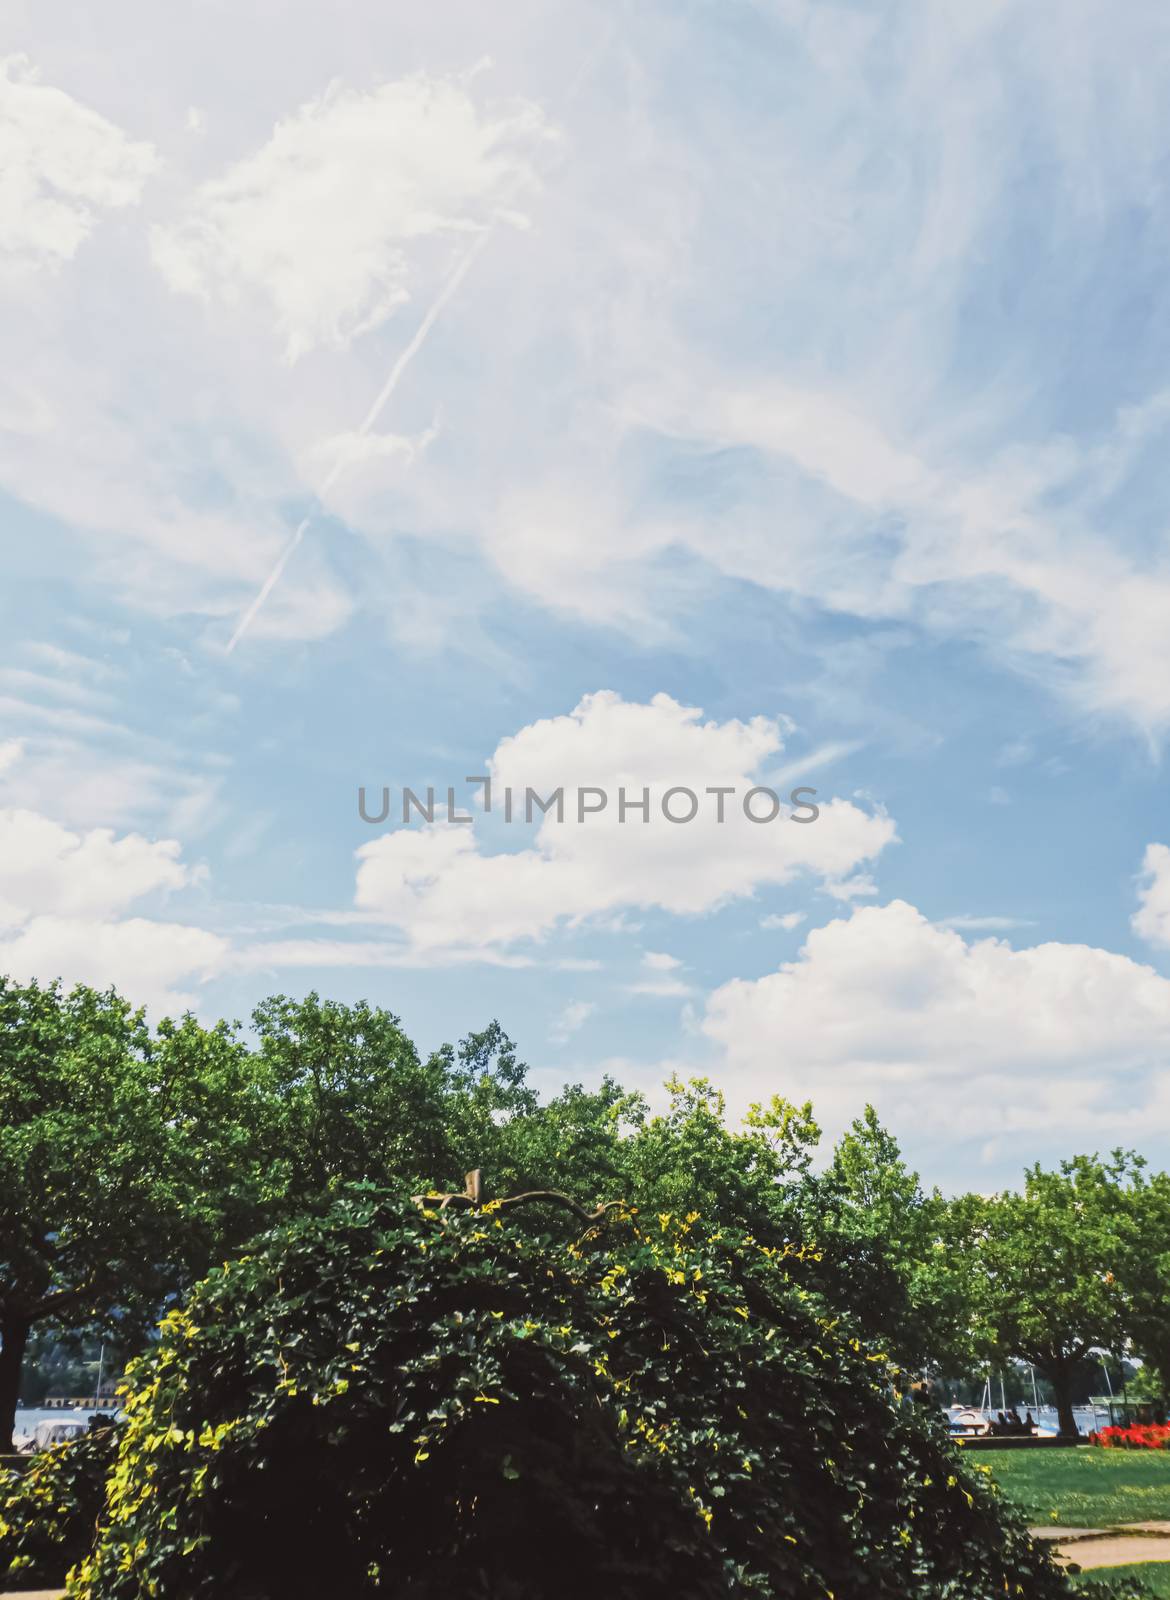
49, 1511
385, 1402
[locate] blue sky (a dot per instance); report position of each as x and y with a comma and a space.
769, 393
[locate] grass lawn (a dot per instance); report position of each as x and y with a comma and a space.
1154, 1574
1084, 1487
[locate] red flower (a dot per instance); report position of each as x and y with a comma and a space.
1138, 1436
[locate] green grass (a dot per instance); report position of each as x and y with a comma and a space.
1154, 1574
1084, 1487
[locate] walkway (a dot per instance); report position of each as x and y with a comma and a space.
1108, 1547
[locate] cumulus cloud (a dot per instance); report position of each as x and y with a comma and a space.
149, 962
60, 164
62, 895
1151, 921
886, 1006
46, 867
439, 886
320, 223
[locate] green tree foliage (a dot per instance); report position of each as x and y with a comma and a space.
1052, 1266
1145, 1277
894, 1253
422, 1405
130, 1160
119, 1173
345, 1097
687, 1158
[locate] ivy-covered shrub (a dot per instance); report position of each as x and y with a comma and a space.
49, 1510
384, 1402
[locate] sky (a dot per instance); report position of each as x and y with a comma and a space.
605, 397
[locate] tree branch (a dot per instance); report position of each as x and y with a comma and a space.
471, 1197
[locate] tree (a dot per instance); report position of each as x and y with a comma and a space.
573, 1141
1145, 1277
687, 1158
893, 1251
130, 1161
126, 1160
346, 1097
1050, 1263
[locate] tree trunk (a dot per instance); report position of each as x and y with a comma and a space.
1059, 1376
13, 1341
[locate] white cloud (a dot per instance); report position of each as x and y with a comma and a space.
975, 546
879, 442
859, 887
61, 895
71, 663
25, 681
885, 1006
46, 868
660, 988
60, 163
786, 920
967, 923
272, 954
108, 778
321, 223
664, 984
438, 886
149, 962
571, 1020
354, 449
1151, 921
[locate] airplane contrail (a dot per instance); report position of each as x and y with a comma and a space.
454, 278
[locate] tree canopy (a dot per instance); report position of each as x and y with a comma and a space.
120, 1172
1055, 1265
132, 1159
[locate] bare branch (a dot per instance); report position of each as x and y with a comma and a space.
471, 1198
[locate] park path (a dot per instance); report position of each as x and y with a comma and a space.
1108, 1547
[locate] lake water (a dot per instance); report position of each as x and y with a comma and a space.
28, 1417
1087, 1419
26, 1420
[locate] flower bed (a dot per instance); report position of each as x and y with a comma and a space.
1138, 1436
